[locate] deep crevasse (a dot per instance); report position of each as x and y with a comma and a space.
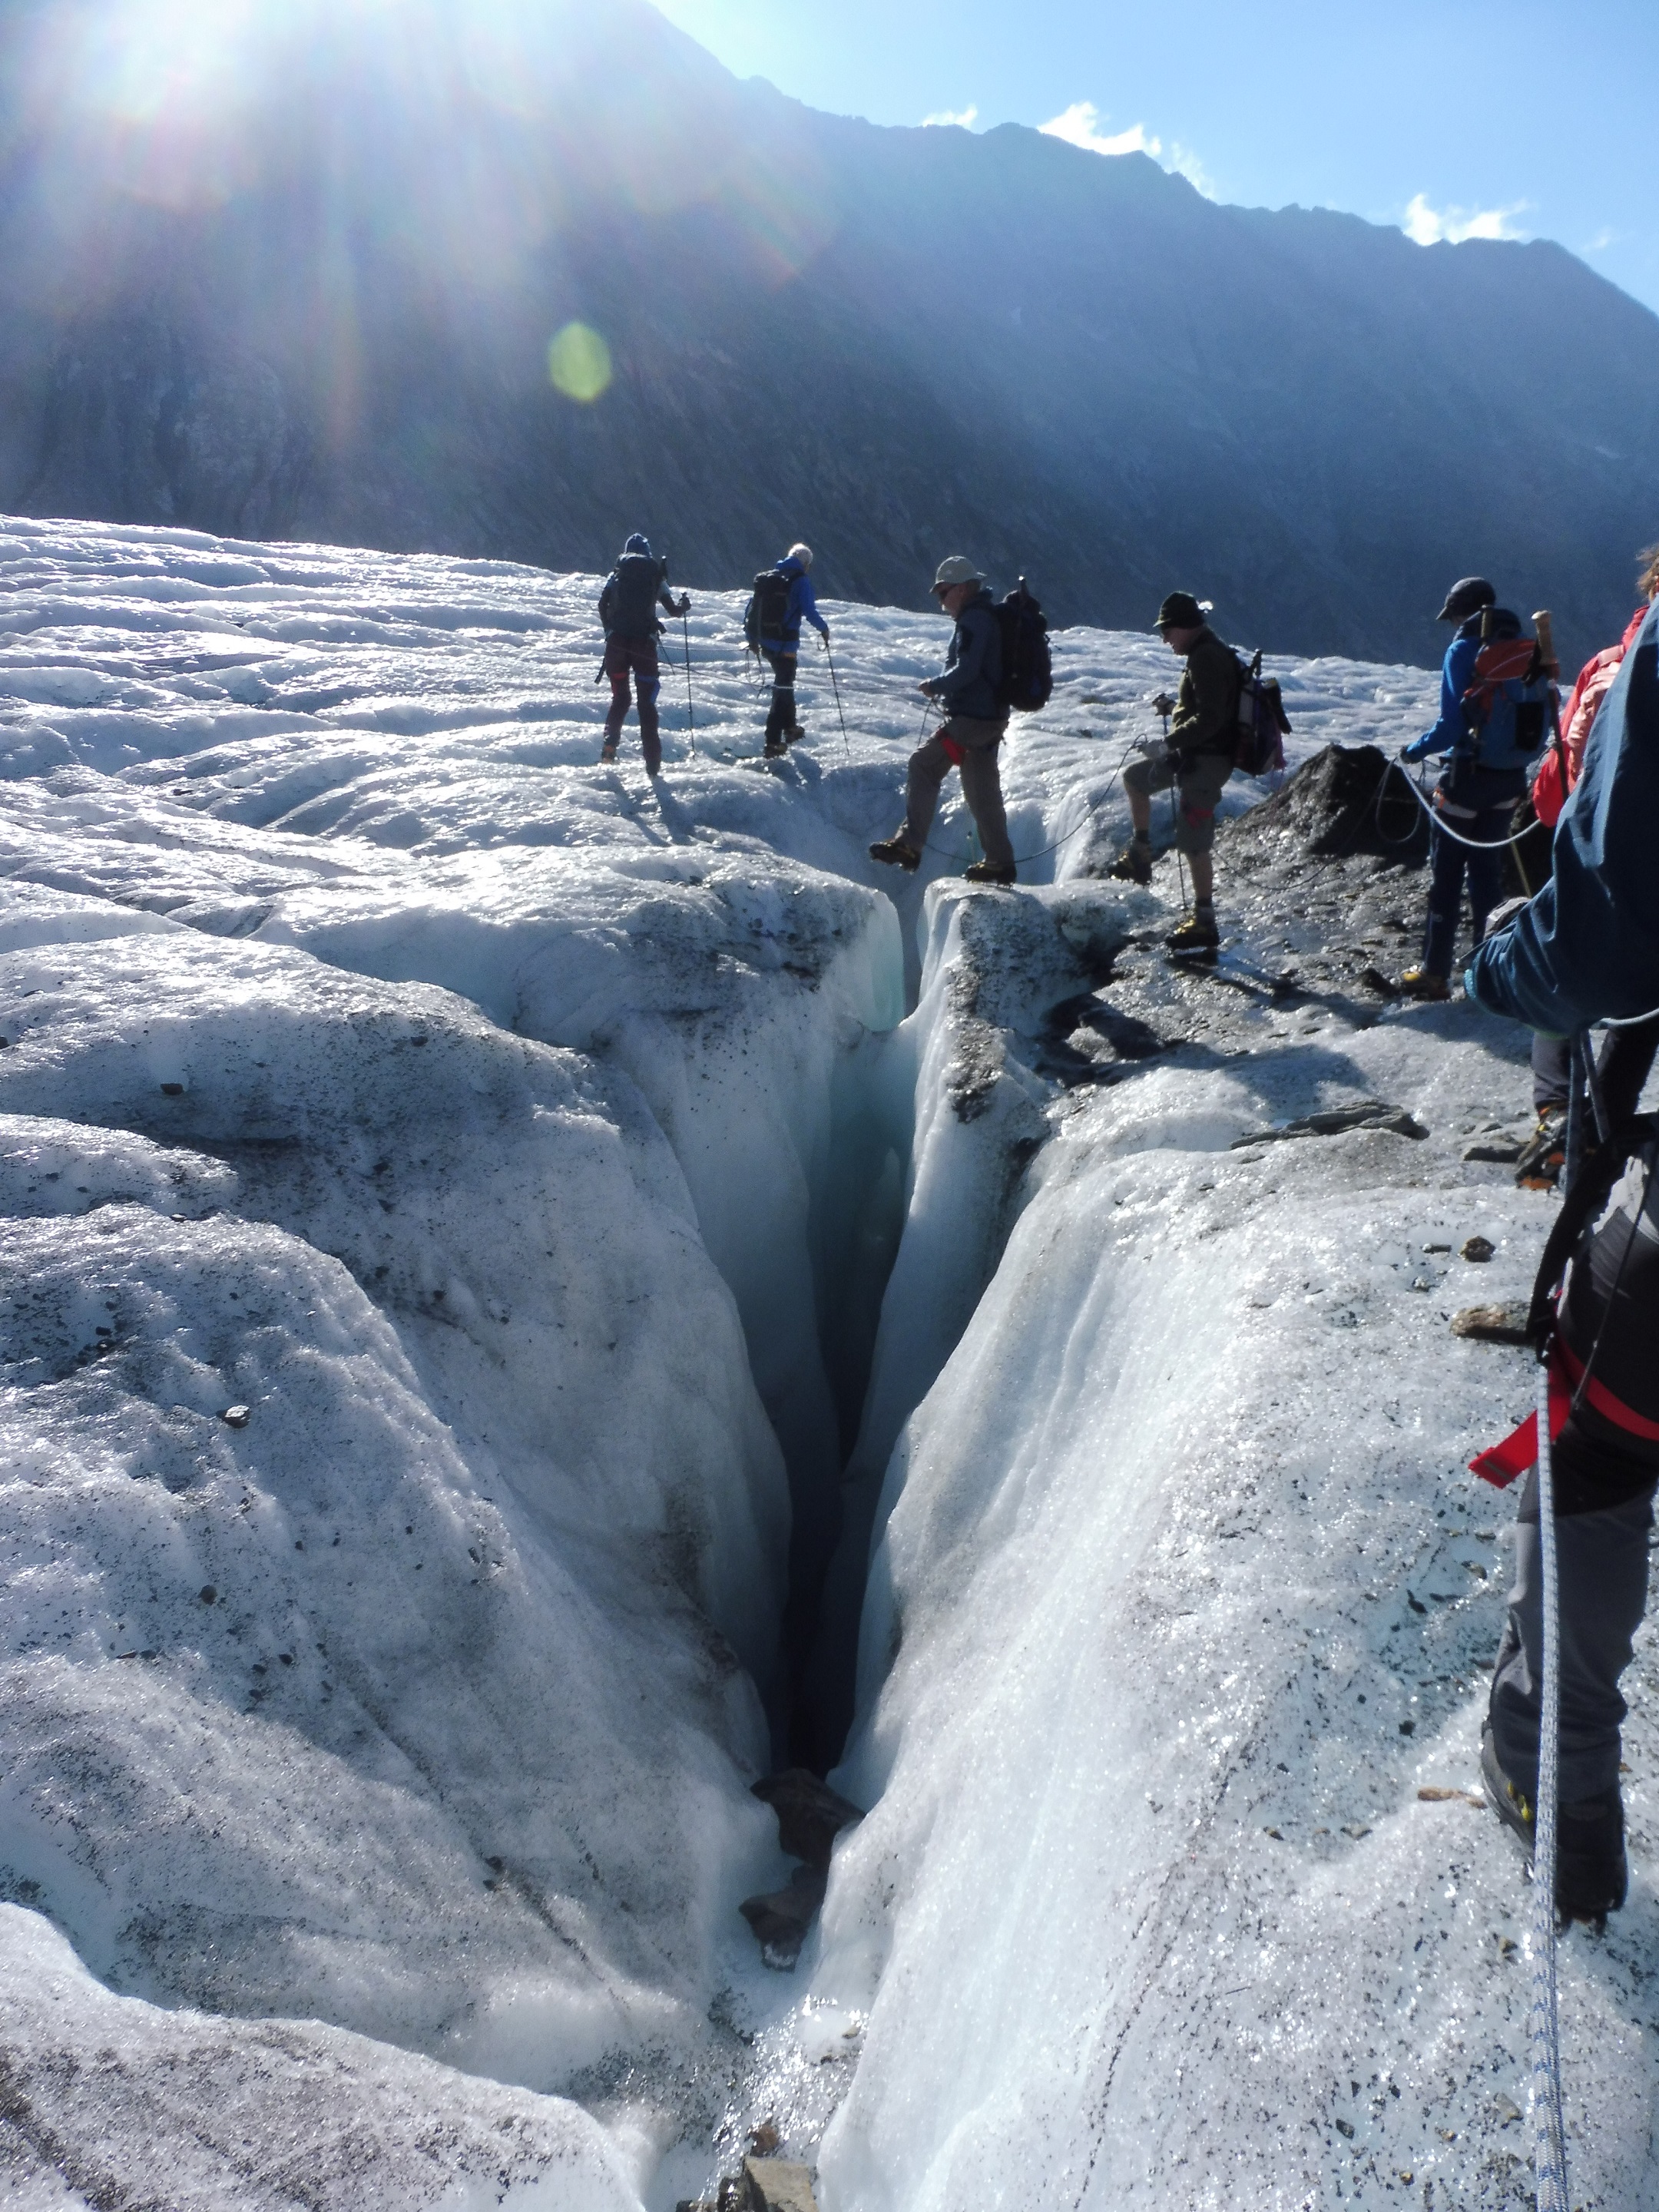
524, 1289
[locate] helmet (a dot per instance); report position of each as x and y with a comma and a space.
1466, 597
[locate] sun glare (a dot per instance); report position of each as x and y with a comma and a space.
579, 363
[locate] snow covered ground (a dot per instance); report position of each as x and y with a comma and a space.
449, 1400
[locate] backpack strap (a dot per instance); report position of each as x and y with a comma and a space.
1588, 1192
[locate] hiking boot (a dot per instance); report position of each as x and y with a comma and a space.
794, 734
1194, 932
1591, 1872
608, 756
1511, 1806
1544, 1154
1419, 983
1134, 865
984, 872
775, 749
896, 853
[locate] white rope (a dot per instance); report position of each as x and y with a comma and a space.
1549, 2156
1438, 818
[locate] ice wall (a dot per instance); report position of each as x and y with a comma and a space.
1182, 1599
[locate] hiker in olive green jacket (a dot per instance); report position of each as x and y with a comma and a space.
1197, 760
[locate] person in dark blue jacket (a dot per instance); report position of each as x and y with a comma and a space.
781, 614
1475, 796
633, 592
1586, 949
976, 723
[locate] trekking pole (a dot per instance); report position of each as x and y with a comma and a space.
830, 656
691, 712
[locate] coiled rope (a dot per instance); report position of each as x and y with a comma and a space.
1549, 2156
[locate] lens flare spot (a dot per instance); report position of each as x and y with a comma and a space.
579, 363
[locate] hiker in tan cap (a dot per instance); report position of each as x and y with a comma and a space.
976, 720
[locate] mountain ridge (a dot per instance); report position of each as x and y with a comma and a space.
330, 319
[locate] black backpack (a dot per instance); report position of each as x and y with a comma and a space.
1263, 725
1028, 673
767, 609
638, 579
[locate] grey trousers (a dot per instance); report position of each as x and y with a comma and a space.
1602, 1562
971, 744
1550, 1075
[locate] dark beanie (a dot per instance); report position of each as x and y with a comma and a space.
637, 545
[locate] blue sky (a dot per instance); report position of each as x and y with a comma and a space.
1518, 119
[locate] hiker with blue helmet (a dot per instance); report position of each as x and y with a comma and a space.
1585, 951
781, 599
634, 590
970, 688
1481, 737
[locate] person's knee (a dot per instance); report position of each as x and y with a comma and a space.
1196, 832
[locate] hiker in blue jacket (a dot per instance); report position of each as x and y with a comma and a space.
1484, 776
779, 615
1586, 949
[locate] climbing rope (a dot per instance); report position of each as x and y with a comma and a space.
1549, 2156
1474, 844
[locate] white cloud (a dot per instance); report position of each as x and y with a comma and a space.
1602, 239
964, 118
1425, 226
1186, 163
1080, 126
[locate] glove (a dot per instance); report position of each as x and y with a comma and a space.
1420, 749
824, 634
684, 606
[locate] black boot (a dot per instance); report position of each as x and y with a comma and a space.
896, 853
1591, 1872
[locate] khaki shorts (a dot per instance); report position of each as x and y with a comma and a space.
1199, 778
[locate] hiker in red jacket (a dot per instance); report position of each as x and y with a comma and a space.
1553, 785
1539, 1167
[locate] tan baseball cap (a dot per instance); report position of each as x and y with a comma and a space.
958, 570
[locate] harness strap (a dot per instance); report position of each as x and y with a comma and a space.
958, 753
1501, 1462
1610, 1407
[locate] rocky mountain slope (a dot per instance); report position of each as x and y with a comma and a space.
297, 275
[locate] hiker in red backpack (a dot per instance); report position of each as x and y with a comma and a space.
635, 589
969, 687
1488, 743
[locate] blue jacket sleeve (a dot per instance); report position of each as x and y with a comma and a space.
803, 603
1587, 948
1455, 677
